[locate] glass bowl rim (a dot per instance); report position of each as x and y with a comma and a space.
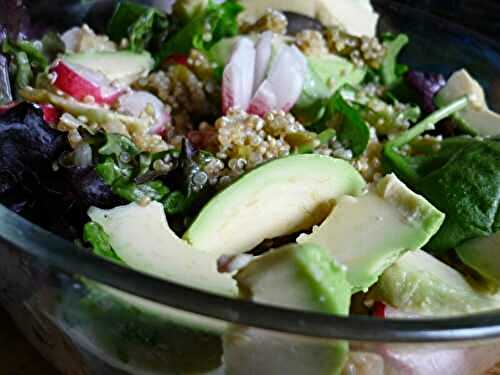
65, 256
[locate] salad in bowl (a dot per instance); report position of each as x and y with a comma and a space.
275, 152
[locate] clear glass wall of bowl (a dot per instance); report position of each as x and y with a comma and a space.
84, 327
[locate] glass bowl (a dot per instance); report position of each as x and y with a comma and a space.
89, 316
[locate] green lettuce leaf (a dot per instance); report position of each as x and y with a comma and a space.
215, 22
99, 240
139, 24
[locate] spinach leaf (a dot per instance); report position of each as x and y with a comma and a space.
99, 239
462, 179
118, 145
140, 24
122, 164
215, 22
354, 132
390, 70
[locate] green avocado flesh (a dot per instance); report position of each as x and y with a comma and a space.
297, 277
477, 118
483, 255
122, 66
281, 197
369, 233
141, 237
420, 284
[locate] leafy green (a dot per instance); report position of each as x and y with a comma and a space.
175, 203
140, 24
390, 70
99, 239
117, 144
52, 45
132, 192
120, 166
215, 22
354, 131
324, 137
462, 179
26, 60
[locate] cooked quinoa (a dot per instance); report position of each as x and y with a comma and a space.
311, 43
272, 20
360, 50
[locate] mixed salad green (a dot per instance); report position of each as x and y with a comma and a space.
193, 145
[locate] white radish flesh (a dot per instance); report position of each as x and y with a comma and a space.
264, 50
284, 83
135, 103
238, 78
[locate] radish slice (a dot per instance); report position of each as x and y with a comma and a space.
284, 83
177, 59
80, 82
136, 102
379, 309
264, 100
264, 50
51, 114
238, 78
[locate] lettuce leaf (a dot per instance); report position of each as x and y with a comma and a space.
141, 25
215, 22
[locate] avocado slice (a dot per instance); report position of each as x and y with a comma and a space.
369, 233
281, 197
141, 237
476, 118
420, 284
122, 66
355, 16
482, 255
297, 277
138, 336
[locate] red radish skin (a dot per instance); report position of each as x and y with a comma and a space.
177, 59
80, 83
378, 309
283, 85
51, 114
264, 100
